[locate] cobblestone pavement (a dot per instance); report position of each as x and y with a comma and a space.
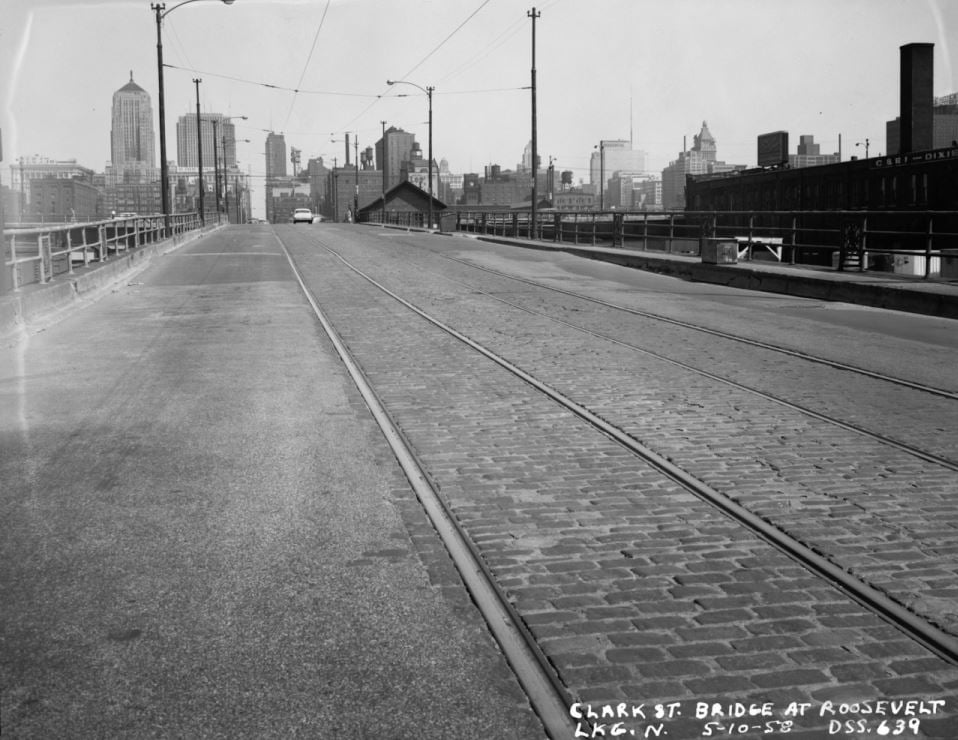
879, 512
638, 591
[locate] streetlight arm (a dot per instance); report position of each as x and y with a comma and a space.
161, 6
428, 91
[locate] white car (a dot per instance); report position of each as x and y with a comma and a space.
302, 216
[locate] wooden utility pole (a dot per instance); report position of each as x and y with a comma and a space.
199, 152
535, 149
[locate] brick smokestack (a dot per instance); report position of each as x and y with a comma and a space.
917, 78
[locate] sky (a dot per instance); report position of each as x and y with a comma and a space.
649, 70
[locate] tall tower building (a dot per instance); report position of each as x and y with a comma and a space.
705, 143
275, 155
132, 147
186, 150
614, 156
396, 148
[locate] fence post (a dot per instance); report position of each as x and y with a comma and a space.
69, 254
863, 244
15, 272
43, 250
645, 231
671, 232
791, 260
102, 244
930, 238
557, 227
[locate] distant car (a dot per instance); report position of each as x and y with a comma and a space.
302, 216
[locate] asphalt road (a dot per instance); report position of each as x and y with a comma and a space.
203, 534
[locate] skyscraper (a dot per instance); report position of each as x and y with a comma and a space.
186, 150
275, 155
612, 156
392, 151
132, 146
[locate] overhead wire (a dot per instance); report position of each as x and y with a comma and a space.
510, 31
271, 85
416, 66
309, 58
443, 42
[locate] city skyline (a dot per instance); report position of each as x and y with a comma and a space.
611, 70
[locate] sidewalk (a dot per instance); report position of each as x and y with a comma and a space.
934, 297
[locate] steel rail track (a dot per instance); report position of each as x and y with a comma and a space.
547, 695
879, 603
952, 395
881, 438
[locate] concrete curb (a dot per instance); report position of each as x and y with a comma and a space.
36, 306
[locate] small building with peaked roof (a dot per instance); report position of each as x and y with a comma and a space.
406, 203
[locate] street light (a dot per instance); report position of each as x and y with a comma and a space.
866, 147
161, 13
601, 148
428, 91
199, 153
226, 181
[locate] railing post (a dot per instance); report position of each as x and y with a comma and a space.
671, 232
792, 257
645, 231
15, 271
43, 250
930, 238
594, 226
557, 227
863, 249
69, 254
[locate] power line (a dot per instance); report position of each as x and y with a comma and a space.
271, 85
442, 43
308, 59
417, 65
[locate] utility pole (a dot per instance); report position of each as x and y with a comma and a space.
356, 193
199, 152
382, 166
216, 170
535, 152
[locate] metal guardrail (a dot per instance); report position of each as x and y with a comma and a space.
880, 240
397, 218
36, 254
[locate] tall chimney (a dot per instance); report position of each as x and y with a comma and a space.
917, 78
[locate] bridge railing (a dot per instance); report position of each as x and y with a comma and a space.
397, 218
38, 253
911, 242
